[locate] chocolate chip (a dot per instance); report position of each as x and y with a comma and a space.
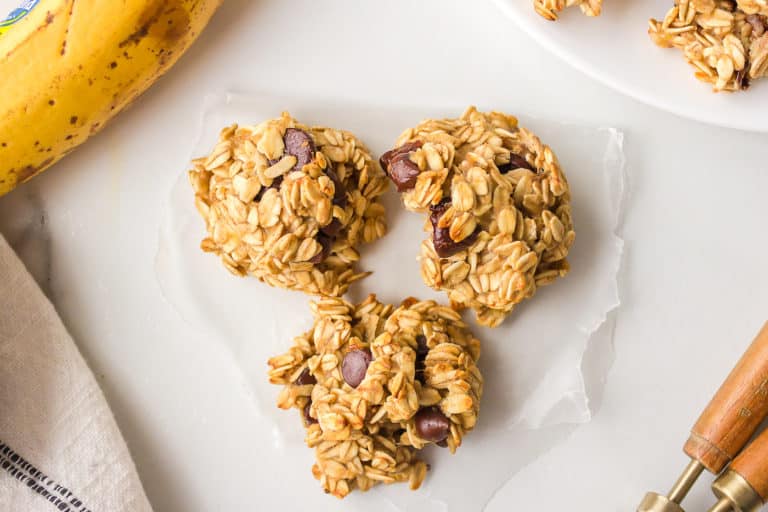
742, 78
515, 162
275, 184
398, 166
421, 346
419, 368
386, 158
339, 190
308, 420
403, 173
299, 144
437, 210
445, 246
332, 229
431, 424
758, 23
328, 233
326, 242
421, 354
305, 378
354, 366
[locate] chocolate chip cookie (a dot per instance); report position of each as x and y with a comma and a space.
497, 208
725, 41
549, 9
290, 204
751, 7
375, 384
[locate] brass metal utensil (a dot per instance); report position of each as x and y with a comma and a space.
728, 422
743, 487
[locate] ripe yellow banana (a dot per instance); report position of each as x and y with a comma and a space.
68, 66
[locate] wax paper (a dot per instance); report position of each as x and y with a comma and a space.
538, 380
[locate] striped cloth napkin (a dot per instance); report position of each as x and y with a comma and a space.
60, 448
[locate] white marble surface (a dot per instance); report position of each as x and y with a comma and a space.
695, 285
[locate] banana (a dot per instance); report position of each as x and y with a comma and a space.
69, 66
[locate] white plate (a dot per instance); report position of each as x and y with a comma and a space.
616, 50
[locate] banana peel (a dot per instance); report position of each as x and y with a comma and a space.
68, 66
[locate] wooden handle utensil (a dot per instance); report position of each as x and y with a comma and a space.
727, 423
735, 411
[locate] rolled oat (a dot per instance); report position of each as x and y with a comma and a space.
289, 204
724, 40
498, 209
375, 384
549, 9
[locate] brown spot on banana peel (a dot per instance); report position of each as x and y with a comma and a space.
31, 170
142, 31
178, 24
63, 50
175, 28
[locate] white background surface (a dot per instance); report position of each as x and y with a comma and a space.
695, 284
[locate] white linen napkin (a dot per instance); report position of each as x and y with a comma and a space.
60, 448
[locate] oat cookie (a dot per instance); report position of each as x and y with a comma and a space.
498, 206
724, 40
549, 9
289, 204
753, 6
375, 383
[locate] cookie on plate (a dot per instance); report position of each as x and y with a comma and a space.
497, 204
375, 384
290, 204
753, 6
549, 9
725, 41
